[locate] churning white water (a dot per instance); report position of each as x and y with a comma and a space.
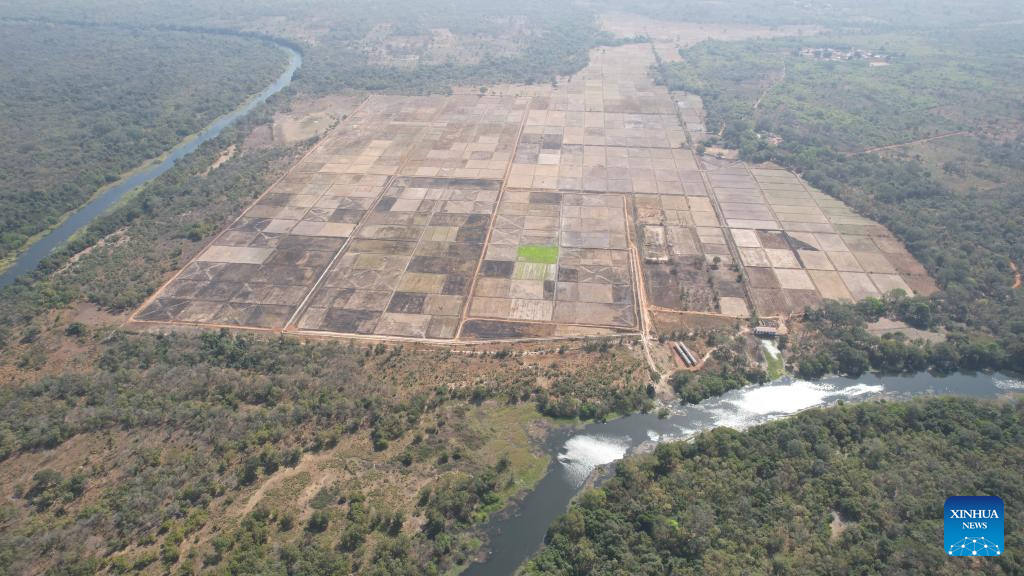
749, 406
514, 537
1007, 383
582, 454
770, 348
739, 409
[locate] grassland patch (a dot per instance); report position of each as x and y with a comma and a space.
506, 429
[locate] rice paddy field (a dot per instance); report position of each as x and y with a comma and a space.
555, 213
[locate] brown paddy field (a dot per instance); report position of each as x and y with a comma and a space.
550, 214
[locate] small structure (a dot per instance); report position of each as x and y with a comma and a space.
655, 246
684, 354
846, 54
767, 329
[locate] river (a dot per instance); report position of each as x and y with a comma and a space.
28, 260
515, 536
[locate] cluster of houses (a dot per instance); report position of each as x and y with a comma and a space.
845, 54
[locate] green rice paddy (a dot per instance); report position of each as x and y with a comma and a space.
537, 254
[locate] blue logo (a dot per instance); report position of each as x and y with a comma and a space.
974, 526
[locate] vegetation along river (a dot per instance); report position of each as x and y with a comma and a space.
577, 453
39, 250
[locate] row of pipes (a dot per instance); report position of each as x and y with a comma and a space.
684, 354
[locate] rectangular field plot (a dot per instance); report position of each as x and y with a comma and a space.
813, 245
408, 269
471, 137
258, 271
538, 212
692, 271
558, 257
546, 162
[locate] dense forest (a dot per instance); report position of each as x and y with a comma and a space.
526, 42
825, 491
959, 212
380, 45
82, 106
835, 340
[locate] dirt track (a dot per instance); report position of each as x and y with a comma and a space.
918, 141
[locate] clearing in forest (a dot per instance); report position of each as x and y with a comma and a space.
476, 217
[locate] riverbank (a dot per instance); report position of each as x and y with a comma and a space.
515, 536
130, 183
9, 261
858, 488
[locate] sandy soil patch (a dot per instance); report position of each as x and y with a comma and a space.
669, 36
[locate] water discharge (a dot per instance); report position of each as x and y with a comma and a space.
585, 453
515, 536
751, 406
1006, 383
